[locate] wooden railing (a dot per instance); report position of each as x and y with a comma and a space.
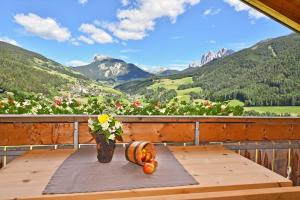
73, 129
271, 142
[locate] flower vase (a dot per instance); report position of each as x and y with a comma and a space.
105, 149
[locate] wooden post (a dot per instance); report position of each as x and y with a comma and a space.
197, 133
76, 136
4, 161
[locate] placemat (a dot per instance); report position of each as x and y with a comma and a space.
82, 173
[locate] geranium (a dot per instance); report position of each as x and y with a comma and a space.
107, 125
136, 104
119, 106
57, 102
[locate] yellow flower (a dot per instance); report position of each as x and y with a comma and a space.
103, 118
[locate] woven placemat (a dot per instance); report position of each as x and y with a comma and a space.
81, 173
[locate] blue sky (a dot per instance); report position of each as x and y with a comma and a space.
149, 33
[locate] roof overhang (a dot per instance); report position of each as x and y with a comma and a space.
286, 12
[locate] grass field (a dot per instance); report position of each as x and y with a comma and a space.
171, 84
183, 95
293, 110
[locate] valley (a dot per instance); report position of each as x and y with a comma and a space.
264, 78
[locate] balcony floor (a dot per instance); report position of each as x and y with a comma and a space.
215, 168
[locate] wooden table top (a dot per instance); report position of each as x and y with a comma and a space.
215, 168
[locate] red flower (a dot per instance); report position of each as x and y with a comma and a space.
11, 101
206, 103
119, 106
57, 102
136, 104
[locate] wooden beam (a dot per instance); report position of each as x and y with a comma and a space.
290, 193
284, 193
283, 11
147, 119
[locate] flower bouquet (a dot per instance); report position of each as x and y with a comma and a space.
106, 130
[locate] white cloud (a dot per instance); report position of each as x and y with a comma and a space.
178, 66
96, 34
212, 12
177, 37
85, 39
239, 6
124, 57
125, 2
212, 42
75, 63
74, 41
134, 23
10, 41
46, 28
130, 50
82, 2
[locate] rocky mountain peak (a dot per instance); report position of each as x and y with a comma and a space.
210, 56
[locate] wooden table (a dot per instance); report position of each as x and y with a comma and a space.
220, 172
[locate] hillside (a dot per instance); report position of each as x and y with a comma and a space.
267, 73
26, 72
105, 68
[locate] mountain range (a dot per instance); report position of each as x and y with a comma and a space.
104, 68
26, 72
268, 73
210, 56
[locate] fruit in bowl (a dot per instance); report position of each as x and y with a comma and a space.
144, 154
148, 157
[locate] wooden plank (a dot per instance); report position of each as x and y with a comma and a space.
225, 166
281, 161
286, 12
265, 158
62, 133
167, 193
250, 154
28, 174
213, 132
168, 132
148, 119
290, 193
216, 168
36, 133
295, 164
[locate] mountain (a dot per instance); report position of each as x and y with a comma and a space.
210, 56
104, 68
268, 73
27, 72
168, 72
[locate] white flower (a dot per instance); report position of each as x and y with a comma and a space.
105, 126
223, 107
162, 110
26, 103
112, 137
118, 125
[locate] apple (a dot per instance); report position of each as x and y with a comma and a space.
144, 153
148, 157
154, 162
148, 168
